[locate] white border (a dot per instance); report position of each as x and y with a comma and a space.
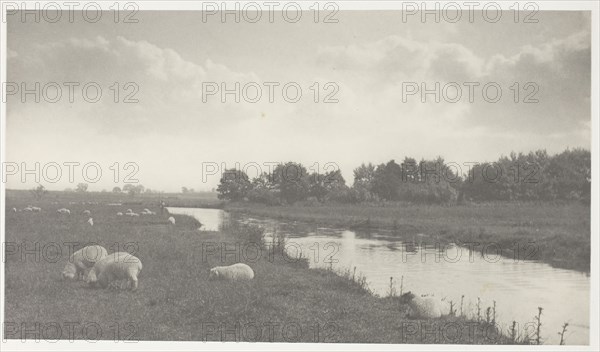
592, 5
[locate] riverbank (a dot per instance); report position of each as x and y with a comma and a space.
553, 233
286, 302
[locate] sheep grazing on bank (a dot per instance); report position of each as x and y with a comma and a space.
235, 272
422, 307
147, 212
90, 221
115, 267
82, 260
36, 209
14, 210
63, 211
119, 214
171, 220
132, 214
28, 209
86, 212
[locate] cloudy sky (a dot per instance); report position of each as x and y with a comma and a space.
171, 132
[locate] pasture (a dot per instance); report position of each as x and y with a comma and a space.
286, 301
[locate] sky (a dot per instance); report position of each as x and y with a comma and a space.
179, 136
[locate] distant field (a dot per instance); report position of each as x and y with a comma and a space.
287, 301
555, 233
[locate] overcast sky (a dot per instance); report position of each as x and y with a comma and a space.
170, 132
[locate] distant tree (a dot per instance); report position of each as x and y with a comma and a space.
363, 182
292, 181
81, 187
234, 185
132, 190
184, 190
38, 192
116, 190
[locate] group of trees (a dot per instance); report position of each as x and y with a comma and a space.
532, 176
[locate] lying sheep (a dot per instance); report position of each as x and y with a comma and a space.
28, 209
82, 260
171, 220
119, 214
422, 307
132, 214
63, 211
129, 211
86, 212
36, 209
115, 267
235, 272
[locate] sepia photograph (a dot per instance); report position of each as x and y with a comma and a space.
293, 175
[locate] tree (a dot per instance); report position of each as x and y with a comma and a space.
38, 192
234, 185
363, 182
81, 187
132, 190
291, 180
184, 190
116, 190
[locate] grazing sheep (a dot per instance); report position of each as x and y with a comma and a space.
235, 272
86, 212
63, 211
14, 210
132, 214
422, 307
82, 260
119, 214
28, 209
36, 209
171, 220
129, 211
90, 221
116, 266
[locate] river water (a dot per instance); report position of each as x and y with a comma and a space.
449, 272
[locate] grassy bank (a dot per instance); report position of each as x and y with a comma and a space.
554, 233
285, 302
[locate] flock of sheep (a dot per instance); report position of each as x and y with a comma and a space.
96, 267
86, 212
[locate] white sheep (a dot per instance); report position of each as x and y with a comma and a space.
86, 212
36, 209
63, 211
171, 220
82, 260
129, 211
14, 210
28, 209
115, 267
132, 214
235, 272
422, 307
119, 214
90, 221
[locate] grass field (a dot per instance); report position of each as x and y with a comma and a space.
555, 233
175, 301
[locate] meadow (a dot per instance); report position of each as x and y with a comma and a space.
286, 302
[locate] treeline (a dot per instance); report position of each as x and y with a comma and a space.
532, 176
